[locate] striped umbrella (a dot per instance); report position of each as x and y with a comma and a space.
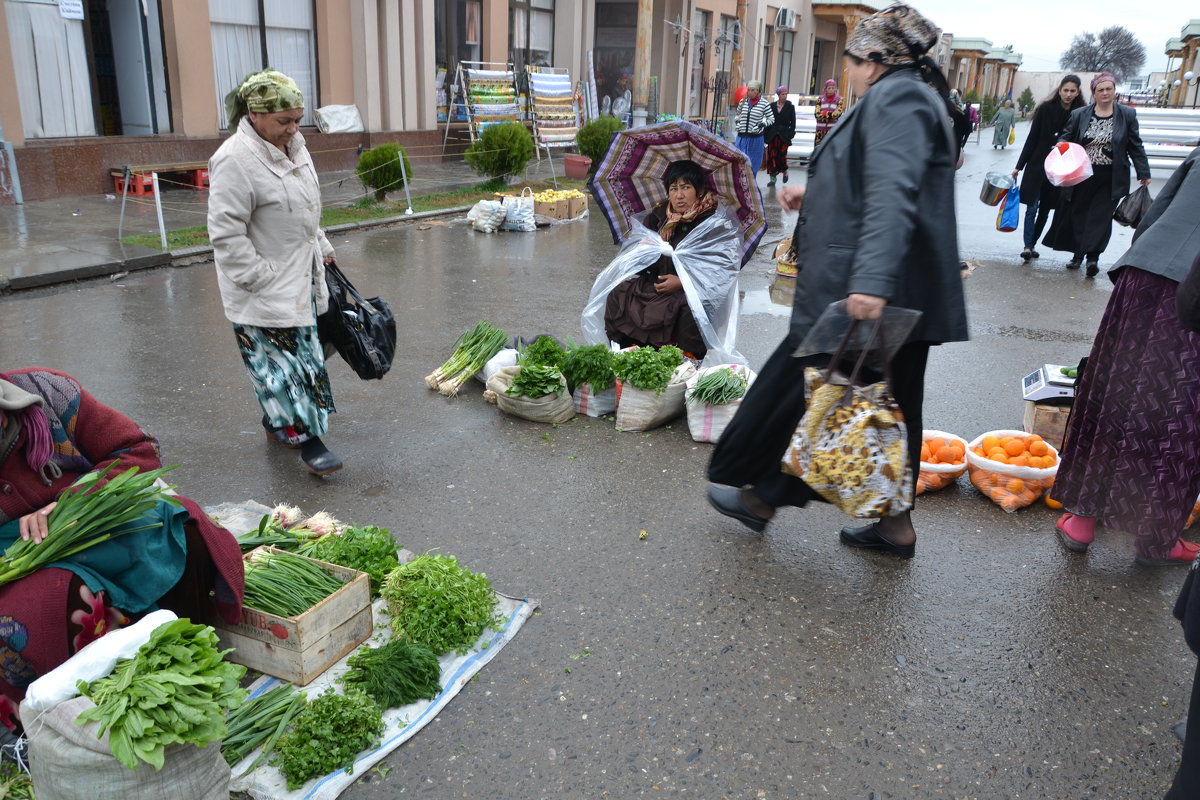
629, 179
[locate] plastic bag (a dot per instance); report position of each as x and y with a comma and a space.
550, 408
505, 358
1191, 520
706, 423
1068, 164
937, 474
518, 212
642, 409
487, 215
1012, 135
1009, 217
338, 119
827, 332
1135, 205
1011, 486
707, 261
595, 404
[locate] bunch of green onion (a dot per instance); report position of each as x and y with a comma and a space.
284, 584
719, 387
260, 722
85, 515
472, 351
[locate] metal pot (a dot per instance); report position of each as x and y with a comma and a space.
995, 187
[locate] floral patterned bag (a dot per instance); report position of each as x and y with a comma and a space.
851, 445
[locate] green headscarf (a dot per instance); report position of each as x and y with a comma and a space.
263, 93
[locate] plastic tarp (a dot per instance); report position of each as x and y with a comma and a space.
707, 261
339, 119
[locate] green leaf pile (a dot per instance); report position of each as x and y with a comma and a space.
544, 352
648, 368
591, 364
395, 674
439, 604
175, 690
367, 549
327, 735
537, 381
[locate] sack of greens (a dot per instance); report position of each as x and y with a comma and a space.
712, 398
652, 383
589, 369
535, 393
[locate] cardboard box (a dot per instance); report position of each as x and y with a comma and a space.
1048, 421
559, 209
298, 649
576, 206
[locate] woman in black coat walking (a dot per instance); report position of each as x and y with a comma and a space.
778, 136
876, 226
1038, 194
1109, 133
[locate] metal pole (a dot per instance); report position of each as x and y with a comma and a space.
162, 229
124, 194
404, 177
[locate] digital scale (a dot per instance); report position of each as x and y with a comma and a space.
1048, 383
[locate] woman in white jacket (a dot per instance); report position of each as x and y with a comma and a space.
264, 214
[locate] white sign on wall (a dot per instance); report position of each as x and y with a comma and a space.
70, 9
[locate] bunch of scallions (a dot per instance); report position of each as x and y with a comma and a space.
285, 584
472, 351
87, 514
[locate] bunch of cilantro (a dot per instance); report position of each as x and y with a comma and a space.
365, 548
648, 368
327, 735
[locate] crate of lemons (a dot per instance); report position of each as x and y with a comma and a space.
558, 203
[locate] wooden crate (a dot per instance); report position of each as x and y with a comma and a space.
1048, 421
298, 649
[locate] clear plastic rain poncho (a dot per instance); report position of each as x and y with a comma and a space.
707, 261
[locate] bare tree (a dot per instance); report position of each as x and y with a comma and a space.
1115, 50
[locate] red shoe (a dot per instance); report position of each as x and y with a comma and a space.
1074, 533
1183, 553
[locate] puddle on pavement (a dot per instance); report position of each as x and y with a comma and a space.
776, 299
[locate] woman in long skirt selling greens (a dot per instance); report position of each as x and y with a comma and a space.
264, 215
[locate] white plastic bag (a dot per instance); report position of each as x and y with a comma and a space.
595, 404
1008, 486
519, 212
550, 408
706, 423
642, 409
1068, 164
338, 119
505, 358
487, 215
934, 476
707, 261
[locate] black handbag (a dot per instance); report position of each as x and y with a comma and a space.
1135, 205
362, 330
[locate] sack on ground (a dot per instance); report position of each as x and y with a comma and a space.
706, 423
851, 447
487, 215
518, 212
550, 408
595, 404
937, 471
68, 761
1135, 205
1012, 486
505, 358
642, 409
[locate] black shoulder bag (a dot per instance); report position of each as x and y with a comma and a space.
362, 330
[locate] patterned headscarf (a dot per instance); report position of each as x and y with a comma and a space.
263, 93
896, 36
1103, 76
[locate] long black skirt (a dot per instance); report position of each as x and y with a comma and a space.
751, 448
1083, 224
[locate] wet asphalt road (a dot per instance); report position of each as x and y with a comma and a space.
702, 661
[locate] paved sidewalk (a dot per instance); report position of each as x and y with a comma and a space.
71, 238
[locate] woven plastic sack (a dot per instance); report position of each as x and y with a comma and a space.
706, 423
487, 216
68, 761
1068, 164
594, 404
1010, 487
642, 409
933, 475
550, 408
518, 212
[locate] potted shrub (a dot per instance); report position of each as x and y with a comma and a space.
379, 169
503, 149
594, 138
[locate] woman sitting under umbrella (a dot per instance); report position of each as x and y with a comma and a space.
647, 300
